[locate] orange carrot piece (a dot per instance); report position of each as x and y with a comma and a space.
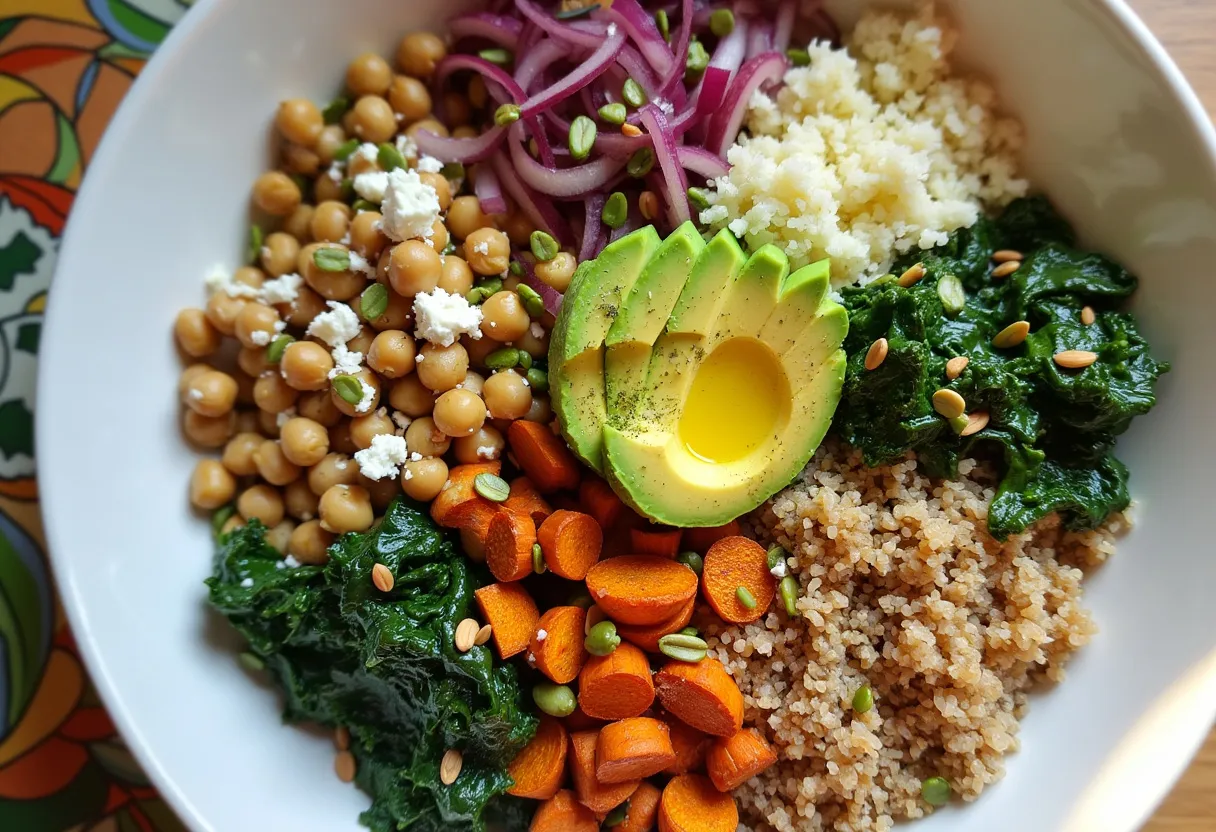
656, 540
641, 589
540, 766
735, 562
525, 499
473, 543
579, 721
509, 541
643, 810
542, 456
690, 803
572, 543
647, 636
699, 540
633, 749
599, 500
560, 655
511, 612
458, 505
690, 745
734, 760
703, 695
600, 798
616, 686
563, 813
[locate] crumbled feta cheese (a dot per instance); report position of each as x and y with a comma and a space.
369, 396
337, 326
371, 185
537, 330
665, 105
410, 206
482, 248
415, 457
407, 474
278, 564
406, 147
335, 172
429, 164
260, 337
383, 458
541, 635
487, 452
284, 417
368, 152
219, 279
282, 289
347, 362
291, 563
400, 419
358, 263
779, 570
247, 583
441, 317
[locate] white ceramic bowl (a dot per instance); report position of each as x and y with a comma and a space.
1116, 138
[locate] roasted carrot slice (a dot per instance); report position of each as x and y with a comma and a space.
599, 500
509, 541
616, 686
543, 456
631, 749
512, 615
699, 540
563, 813
458, 505
560, 653
647, 636
736, 581
691, 747
600, 798
571, 542
702, 694
540, 766
643, 810
690, 803
525, 499
641, 589
734, 760
656, 540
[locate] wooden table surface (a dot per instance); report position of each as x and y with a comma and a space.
1188, 30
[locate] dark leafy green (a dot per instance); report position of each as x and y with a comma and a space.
1054, 427
384, 665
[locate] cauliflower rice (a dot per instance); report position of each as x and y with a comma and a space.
869, 151
902, 588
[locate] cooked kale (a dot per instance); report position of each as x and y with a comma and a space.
1054, 427
384, 665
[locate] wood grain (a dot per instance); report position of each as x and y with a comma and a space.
1186, 28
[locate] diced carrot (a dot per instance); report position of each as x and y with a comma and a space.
647, 636
509, 541
564, 501
702, 694
643, 810
540, 766
690, 746
734, 760
458, 505
571, 542
600, 798
734, 567
599, 500
699, 540
655, 540
641, 589
474, 544
542, 456
525, 499
690, 803
512, 615
563, 813
560, 655
580, 721
616, 686
631, 749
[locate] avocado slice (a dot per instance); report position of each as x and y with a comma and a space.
591, 304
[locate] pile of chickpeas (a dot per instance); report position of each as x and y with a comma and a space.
287, 438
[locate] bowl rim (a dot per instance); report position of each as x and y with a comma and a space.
125, 120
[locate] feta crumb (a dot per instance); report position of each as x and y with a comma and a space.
407, 474
407, 147
282, 289
666, 106
368, 152
247, 583
260, 337
410, 206
419, 358
359, 263
429, 164
219, 279
486, 452
369, 396
278, 564
371, 185
441, 317
335, 172
779, 570
415, 456
291, 563
382, 458
336, 326
541, 635
347, 362
482, 247
400, 419
537, 330
284, 417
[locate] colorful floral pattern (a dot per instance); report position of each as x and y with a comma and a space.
64, 67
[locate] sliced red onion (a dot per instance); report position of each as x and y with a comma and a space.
555, 28
593, 226
636, 68
500, 85
639, 25
712, 90
541, 211
550, 297
665, 152
732, 49
539, 58
503, 31
574, 81
565, 183
759, 38
619, 145
725, 125
700, 161
783, 27
489, 191
680, 48
465, 151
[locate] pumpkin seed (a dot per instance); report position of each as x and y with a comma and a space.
256, 239
789, 595
374, 301
950, 293
506, 115
389, 157
877, 354
745, 597
1012, 335
722, 22
334, 111
956, 365
348, 389
683, 648
1075, 359
912, 276
774, 556
331, 259
494, 488
502, 359
538, 559
976, 422
949, 403
1006, 269
274, 352
498, 57
382, 578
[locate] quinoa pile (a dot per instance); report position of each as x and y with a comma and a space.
903, 589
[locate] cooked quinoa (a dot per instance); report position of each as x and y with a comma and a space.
903, 589
869, 151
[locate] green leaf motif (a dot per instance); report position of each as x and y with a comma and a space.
19, 257
27, 337
16, 429
21, 623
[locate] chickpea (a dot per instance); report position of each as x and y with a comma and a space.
392, 354
332, 137
211, 393
442, 368
273, 464
397, 315
304, 441
276, 194
261, 502
342, 285
455, 276
249, 421
456, 109
373, 120
279, 536
465, 216
299, 500
208, 431
439, 238
423, 479
518, 227
326, 187
278, 254
443, 189
479, 348
302, 160
488, 251
346, 508
419, 52
244, 389
472, 544
366, 238
556, 273
430, 124
363, 428
503, 317
473, 382
367, 377
334, 469
268, 424
340, 441
272, 394
477, 92
211, 485
409, 97
232, 524
319, 406
424, 437
189, 374
535, 345
382, 492
310, 543
508, 395
305, 365
484, 445
511, 283
299, 120
330, 221
256, 325
363, 341
238, 453
414, 267
368, 74
411, 397
459, 412
195, 334
221, 311
465, 132
540, 411
252, 361
306, 306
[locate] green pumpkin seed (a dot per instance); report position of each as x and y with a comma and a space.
571, 14
492, 487
745, 597
697, 61
538, 559
582, 137
775, 555
251, 662
335, 109
476, 295
535, 307
219, 517
498, 57
798, 57
633, 94
525, 360
331, 259
617, 816
256, 239
506, 115
526, 292
516, 268
582, 600
538, 380
950, 292
692, 560
789, 595
640, 163
543, 246
683, 647
722, 22
492, 286
664, 24
345, 150
554, 700
452, 170
614, 113
348, 389
863, 699
616, 209
959, 424
274, 352
689, 631
374, 301
390, 158
362, 204
502, 359
699, 198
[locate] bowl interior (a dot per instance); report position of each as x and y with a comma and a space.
1113, 138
